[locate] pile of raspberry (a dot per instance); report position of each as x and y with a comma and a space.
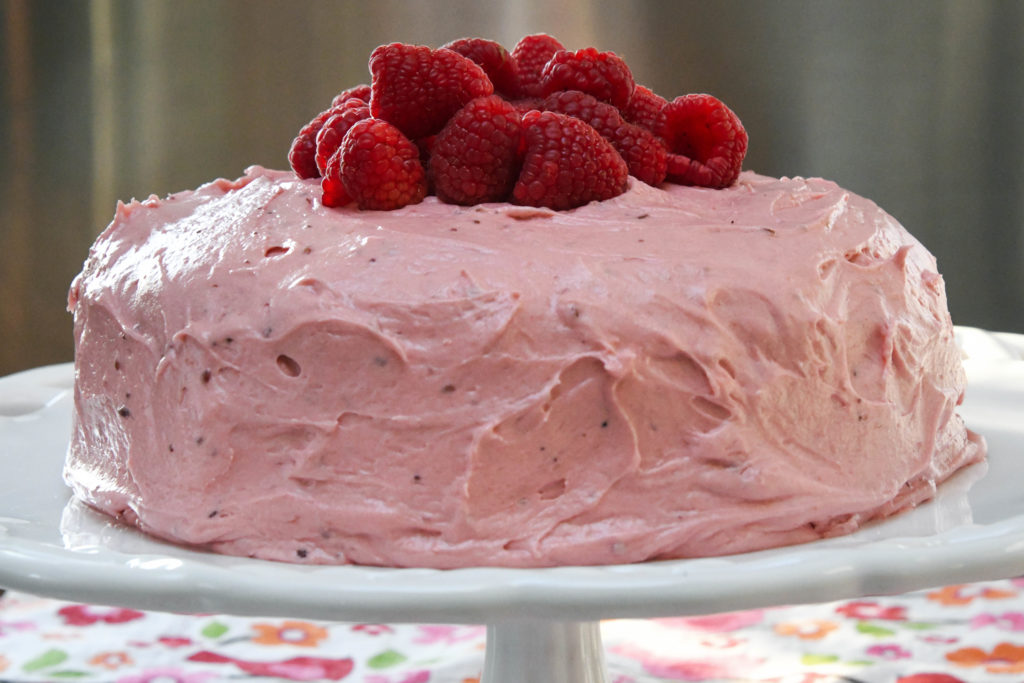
471, 122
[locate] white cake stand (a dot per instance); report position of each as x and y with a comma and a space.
542, 624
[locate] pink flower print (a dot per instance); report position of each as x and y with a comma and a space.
87, 615
938, 639
1008, 621
168, 675
414, 677
864, 609
889, 652
717, 623
174, 641
373, 629
929, 678
447, 635
688, 669
809, 677
294, 669
11, 626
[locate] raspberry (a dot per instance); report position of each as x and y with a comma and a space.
418, 89
601, 74
333, 131
333, 189
530, 55
527, 103
380, 167
567, 163
495, 60
359, 92
302, 154
644, 154
476, 156
602, 116
705, 139
645, 108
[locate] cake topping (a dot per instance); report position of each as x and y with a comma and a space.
601, 74
302, 155
379, 167
530, 55
329, 138
567, 163
494, 59
419, 89
476, 157
359, 92
469, 110
645, 108
706, 140
644, 153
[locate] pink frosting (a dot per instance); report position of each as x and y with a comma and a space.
675, 372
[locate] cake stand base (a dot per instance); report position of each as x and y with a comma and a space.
550, 651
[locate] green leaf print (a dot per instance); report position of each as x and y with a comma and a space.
385, 659
811, 660
47, 659
68, 674
872, 630
214, 630
919, 625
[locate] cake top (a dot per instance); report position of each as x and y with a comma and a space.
540, 126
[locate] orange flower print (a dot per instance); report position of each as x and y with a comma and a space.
299, 633
808, 629
959, 594
111, 660
1005, 658
4, 663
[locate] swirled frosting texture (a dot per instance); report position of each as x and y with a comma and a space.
674, 372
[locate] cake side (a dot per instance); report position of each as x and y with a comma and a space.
673, 372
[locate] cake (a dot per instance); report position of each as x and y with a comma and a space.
673, 371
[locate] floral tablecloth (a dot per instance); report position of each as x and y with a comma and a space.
966, 633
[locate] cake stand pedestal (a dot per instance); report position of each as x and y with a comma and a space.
543, 624
555, 651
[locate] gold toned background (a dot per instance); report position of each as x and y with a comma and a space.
918, 105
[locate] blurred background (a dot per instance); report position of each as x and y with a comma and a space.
918, 105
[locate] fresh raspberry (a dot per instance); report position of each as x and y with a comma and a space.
302, 154
418, 89
705, 139
645, 108
380, 167
494, 59
333, 131
602, 116
644, 153
530, 55
567, 163
334, 193
525, 104
359, 92
601, 74
476, 157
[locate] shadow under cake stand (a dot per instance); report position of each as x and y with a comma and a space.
542, 624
